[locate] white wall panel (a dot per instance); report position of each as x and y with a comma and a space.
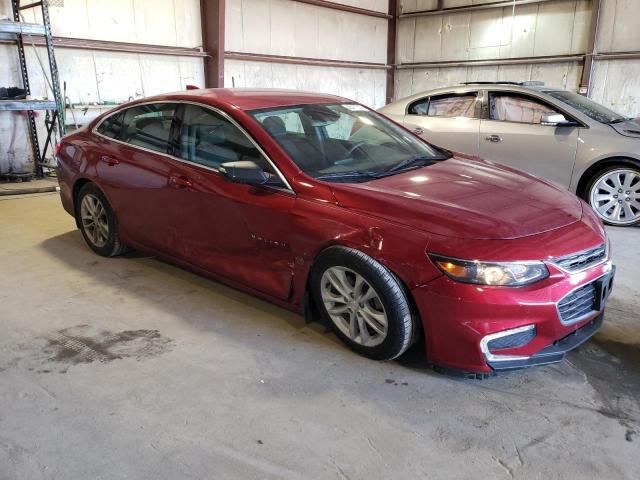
617, 84
561, 75
376, 5
364, 85
102, 76
618, 26
160, 22
284, 27
295, 29
552, 28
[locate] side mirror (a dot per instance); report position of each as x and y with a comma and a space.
555, 120
244, 172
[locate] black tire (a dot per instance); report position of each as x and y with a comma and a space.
611, 167
112, 247
402, 325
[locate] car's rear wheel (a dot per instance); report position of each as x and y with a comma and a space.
614, 193
363, 302
98, 222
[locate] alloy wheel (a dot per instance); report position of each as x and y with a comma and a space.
95, 222
354, 306
615, 196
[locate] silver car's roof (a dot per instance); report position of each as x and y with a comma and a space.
494, 86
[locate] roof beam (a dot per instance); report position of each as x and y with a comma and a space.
345, 8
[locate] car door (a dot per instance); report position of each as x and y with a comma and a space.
238, 231
450, 121
512, 134
132, 163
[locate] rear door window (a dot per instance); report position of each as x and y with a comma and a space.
111, 126
149, 126
459, 105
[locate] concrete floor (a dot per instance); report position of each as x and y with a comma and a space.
131, 368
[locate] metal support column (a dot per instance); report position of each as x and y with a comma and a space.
212, 15
392, 35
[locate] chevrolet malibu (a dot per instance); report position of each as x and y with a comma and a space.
323, 206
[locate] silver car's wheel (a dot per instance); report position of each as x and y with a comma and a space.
95, 222
615, 196
354, 306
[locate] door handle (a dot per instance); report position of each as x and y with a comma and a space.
180, 182
109, 160
418, 131
493, 138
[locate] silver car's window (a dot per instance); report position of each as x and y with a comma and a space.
149, 125
453, 106
509, 107
343, 139
419, 107
587, 106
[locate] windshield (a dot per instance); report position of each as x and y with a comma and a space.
344, 142
587, 106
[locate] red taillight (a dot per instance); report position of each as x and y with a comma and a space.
56, 151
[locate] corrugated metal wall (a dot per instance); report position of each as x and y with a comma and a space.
289, 28
101, 76
553, 28
617, 82
546, 29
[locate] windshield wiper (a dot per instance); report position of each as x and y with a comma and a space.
412, 162
620, 120
346, 175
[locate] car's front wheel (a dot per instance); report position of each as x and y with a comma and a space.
614, 193
363, 302
97, 221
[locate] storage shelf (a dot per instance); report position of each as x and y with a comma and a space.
24, 105
17, 27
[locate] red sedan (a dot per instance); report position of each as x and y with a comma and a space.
323, 206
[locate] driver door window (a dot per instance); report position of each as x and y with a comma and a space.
509, 107
207, 138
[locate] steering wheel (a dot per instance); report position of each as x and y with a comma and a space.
353, 148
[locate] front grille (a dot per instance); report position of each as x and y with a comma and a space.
582, 260
577, 304
512, 341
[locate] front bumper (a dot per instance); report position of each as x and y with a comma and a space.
552, 353
461, 321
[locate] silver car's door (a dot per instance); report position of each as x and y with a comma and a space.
450, 121
512, 134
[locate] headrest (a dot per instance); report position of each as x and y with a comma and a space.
274, 125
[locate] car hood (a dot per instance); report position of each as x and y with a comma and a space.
464, 198
630, 128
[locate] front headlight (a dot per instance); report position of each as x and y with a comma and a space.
491, 273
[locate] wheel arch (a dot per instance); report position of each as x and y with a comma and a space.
77, 186
310, 309
600, 165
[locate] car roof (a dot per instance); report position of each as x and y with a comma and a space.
508, 86
249, 98
493, 86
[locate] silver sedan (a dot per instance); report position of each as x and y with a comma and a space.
554, 134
